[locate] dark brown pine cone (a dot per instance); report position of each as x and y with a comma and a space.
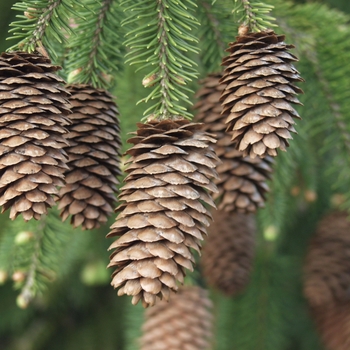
33, 117
89, 196
242, 182
228, 254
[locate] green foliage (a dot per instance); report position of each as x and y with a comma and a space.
254, 15
214, 33
42, 24
160, 37
94, 54
35, 254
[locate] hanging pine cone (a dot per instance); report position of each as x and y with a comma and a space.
228, 253
327, 265
89, 196
163, 215
333, 324
259, 90
33, 114
183, 323
242, 180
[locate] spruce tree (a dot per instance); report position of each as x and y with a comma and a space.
81, 79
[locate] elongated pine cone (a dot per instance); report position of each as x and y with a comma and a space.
259, 90
327, 265
242, 182
163, 214
33, 116
89, 195
333, 324
183, 323
228, 254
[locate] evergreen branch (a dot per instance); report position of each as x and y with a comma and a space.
41, 23
164, 41
326, 48
36, 259
95, 49
255, 15
214, 34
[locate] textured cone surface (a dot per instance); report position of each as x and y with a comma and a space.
33, 110
242, 180
89, 196
327, 265
333, 324
228, 253
183, 323
259, 90
162, 216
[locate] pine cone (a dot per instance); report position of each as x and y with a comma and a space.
333, 324
259, 90
163, 215
242, 180
93, 158
228, 254
327, 265
33, 113
183, 323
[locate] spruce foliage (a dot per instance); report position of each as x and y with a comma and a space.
54, 288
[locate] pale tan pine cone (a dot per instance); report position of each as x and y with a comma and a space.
33, 117
242, 182
162, 216
183, 323
94, 152
259, 89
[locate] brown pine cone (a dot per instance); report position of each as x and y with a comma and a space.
183, 323
228, 254
162, 216
33, 110
242, 182
89, 196
327, 265
333, 324
259, 90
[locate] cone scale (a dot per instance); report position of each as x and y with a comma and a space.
163, 215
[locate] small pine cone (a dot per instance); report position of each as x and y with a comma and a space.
333, 324
327, 265
183, 323
163, 215
259, 90
228, 254
33, 110
89, 196
242, 180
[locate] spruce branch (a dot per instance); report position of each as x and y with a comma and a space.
163, 39
214, 34
255, 15
41, 24
94, 53
38, 257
